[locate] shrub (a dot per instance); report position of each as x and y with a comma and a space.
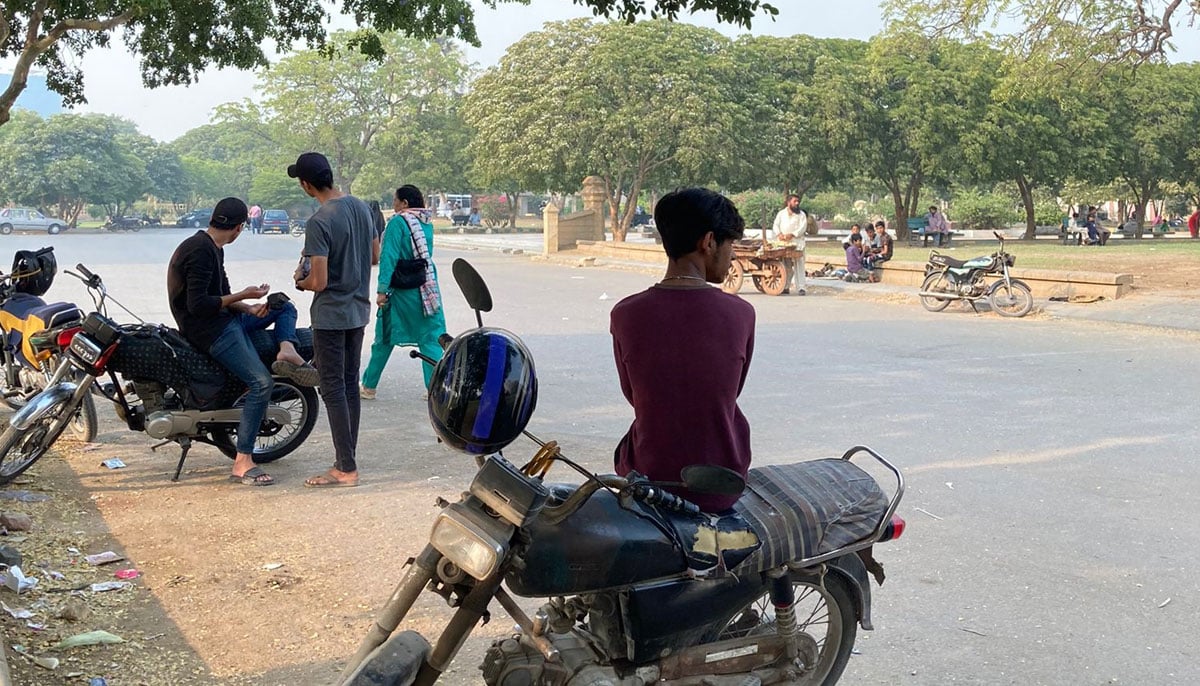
977, 210
759, 207
493, 210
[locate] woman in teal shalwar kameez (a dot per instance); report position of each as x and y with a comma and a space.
407, 317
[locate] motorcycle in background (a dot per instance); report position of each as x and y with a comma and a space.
159, 384
948, 279
35, 335
641, 586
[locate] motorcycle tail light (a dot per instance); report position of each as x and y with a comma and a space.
894, 529
65, 336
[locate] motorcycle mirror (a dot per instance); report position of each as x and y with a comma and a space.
473, 288
704, 478
997, 235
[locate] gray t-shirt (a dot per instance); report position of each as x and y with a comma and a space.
342, 231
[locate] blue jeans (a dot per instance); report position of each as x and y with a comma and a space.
236, 353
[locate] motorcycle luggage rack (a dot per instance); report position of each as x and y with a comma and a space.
880, 529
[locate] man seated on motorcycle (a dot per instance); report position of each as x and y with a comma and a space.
218, 322
683, 349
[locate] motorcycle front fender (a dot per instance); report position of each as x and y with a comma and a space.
41, 404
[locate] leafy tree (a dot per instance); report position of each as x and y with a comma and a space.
638, 105
1026, 137
178, 39
1149, 134
1056, 39
392, 111
901, 113
777, 139
758, 209
237, 147
983, 210
70, 160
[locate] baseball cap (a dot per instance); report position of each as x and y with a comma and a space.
310, 167
229, 213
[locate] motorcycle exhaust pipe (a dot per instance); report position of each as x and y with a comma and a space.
941, 296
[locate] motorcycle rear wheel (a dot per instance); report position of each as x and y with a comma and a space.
935, 283
825, 614
275, 440
20, 448
1016, 301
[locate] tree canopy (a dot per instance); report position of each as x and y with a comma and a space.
176, 40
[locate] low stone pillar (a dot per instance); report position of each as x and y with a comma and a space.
594, 195
550, 215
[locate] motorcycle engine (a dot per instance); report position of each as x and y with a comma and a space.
152, 394
513, 662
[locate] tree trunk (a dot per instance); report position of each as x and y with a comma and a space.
901, 218
1027, 200
511, 197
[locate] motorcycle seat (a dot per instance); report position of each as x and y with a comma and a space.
55, 315
807, 509
946, 261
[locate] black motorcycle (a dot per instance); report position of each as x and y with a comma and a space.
34, 336
948, 279
159, 384
642, 587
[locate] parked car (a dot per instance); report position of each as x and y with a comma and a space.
196, 218
26, 219
643, 221
275, 221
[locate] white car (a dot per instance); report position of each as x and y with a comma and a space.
25, 219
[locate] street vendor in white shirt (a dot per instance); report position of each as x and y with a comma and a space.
789, 227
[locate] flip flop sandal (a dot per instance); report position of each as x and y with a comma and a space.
255, 476
327, 481
303, 374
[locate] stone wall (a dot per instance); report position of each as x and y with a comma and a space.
563, 232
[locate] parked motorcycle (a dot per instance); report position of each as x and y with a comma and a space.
123, 224
34, 336
948, 279
642, 587
297, 227
159, 384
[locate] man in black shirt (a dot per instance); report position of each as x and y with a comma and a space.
218, 321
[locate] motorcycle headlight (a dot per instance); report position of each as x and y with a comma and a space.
471, 540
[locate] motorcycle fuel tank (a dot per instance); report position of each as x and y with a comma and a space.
600, 546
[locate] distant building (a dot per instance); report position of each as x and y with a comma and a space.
36, 97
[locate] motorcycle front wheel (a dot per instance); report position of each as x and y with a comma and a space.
20, 448
276, 440
936, 283
825, 614
83, 424
1014, 300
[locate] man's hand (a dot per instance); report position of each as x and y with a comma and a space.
787, 236
381, 299
258, 310
255, 292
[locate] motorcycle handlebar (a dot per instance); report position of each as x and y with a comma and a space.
657, 496
87, 274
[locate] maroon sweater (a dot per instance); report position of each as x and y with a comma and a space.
682, 356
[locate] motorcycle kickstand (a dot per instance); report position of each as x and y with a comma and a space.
185, 444
973, 308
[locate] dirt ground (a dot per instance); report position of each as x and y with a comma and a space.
219, 603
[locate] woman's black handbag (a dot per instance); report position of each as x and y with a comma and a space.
409, 274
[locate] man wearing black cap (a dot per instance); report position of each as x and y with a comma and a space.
339, 248
218, 321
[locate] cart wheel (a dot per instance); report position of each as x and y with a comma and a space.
758, 283
733, 280
775, 279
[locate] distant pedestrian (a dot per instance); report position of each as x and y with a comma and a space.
1194, 224
406, 317
338, 249
790, 225
256, 217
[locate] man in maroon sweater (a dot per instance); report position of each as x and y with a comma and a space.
683, 348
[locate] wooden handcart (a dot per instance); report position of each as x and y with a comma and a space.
768, 266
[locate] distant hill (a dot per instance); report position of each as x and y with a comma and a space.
36, 96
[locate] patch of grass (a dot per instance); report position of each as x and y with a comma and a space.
1045, 254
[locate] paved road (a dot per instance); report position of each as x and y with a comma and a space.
1049, 461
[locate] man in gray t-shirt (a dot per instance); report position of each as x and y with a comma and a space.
339, 248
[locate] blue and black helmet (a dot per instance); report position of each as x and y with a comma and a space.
483, 391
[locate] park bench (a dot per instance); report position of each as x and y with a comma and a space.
1071, 236
1129, 230
919, 233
